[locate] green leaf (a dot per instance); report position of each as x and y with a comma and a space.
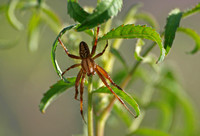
193, 35
118, 56
148, 132
3, 8
124, 96
89, 32
34, 32
188, 110
48, 11
172, 24
119, 76
131, 13
51, 19
56, 90
76, 11
7, 44
56, 66
169, 84
131, 31
105, 10
11, 15
166, 119
147, 18
192, 11
123, 115
138, 49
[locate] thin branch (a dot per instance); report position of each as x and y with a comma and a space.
90, 108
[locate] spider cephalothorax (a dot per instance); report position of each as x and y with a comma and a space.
89, 67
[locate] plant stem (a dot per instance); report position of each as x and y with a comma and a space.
90, 108
106, 112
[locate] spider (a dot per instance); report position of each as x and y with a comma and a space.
89, 67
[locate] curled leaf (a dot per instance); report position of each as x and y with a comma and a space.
55, 64
138, 49
34, 32
11, 15
131, 31
129, 18
105, 10
193, 35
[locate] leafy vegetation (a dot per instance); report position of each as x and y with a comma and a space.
157, 80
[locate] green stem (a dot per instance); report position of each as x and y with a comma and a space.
90, 108
106, 112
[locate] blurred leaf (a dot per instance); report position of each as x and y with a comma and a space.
123, 115
56, 66
10, 14
7, 44
76, 11
148, 132
39, 2
171, 26
147, 17
51, 19
131, 13
3, 8
192, 34
105, 10
138, 49
89, 32
131, 31
166, 119
169, 84
119, 76
48, 11
123, 95
55, 90
34, 32
118, 56
23, 5
180, 96
192, 11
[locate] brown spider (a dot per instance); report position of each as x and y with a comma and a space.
89, 67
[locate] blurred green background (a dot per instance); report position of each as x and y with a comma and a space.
25, 75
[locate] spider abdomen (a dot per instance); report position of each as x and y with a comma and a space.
84, 50
88, 66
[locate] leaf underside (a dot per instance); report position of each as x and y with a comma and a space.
131, 31
123, 96
76, 11
105, 10
57, 68
56, 90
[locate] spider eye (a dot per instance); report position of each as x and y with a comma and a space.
84, 50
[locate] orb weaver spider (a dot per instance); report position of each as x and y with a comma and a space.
89, 67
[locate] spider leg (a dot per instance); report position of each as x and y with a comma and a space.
81, 95
106, 84
73, 66
95, 43
77, 83
98, 55
105, 74
70, 55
